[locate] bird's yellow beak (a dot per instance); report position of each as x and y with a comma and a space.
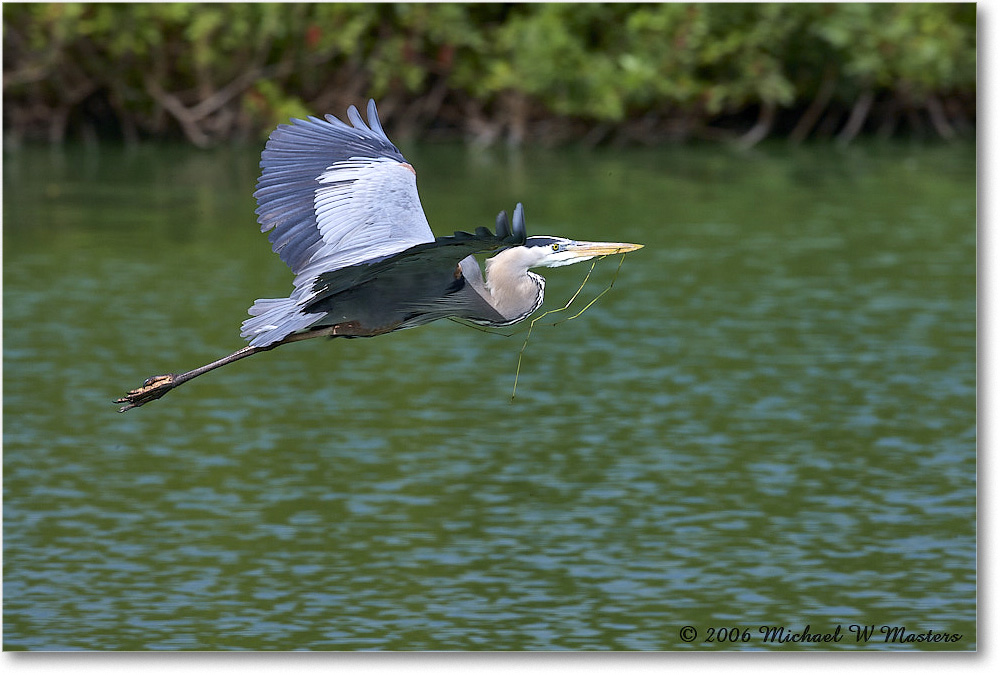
590, 249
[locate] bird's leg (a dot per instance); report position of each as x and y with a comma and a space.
156, 386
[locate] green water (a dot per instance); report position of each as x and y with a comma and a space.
768, 422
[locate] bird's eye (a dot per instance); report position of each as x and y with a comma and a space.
555, 247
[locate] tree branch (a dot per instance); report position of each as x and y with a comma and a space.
761, 129
811, 116
859, 113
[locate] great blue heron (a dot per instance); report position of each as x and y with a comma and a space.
341, 205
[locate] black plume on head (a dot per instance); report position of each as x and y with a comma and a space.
503, 225
520, 232
505, 235
517, 235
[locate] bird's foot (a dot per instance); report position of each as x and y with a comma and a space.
152, 389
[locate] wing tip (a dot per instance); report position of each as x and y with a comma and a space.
297, 156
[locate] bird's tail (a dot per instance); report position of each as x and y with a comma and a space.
273, 319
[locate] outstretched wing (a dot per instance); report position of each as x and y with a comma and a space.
334, 195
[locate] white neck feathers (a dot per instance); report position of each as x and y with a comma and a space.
515, 291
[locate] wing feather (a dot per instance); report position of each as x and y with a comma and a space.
341, 207
338, 193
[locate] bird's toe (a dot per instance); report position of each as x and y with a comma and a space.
152, 388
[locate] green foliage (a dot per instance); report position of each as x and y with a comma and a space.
923, 47
238, 68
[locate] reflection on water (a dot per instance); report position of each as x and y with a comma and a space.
768, 421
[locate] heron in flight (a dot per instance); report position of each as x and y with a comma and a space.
341, 207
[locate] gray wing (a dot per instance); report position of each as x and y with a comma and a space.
334, 195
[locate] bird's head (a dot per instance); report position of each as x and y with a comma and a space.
515, 291
550, 251
557, 251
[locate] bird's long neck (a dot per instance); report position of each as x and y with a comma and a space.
514, 292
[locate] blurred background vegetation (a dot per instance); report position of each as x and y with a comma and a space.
517, 73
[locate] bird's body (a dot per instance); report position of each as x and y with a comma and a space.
400, 291
341, 207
